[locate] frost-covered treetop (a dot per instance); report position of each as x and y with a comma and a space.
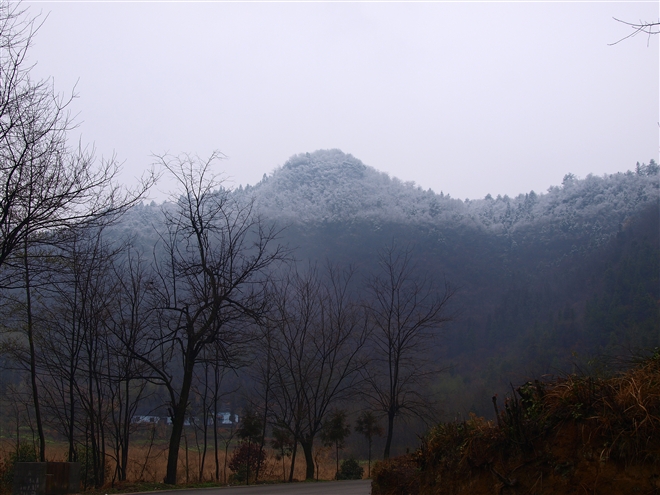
329, 185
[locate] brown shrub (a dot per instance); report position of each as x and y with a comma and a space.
575, 434
396, 476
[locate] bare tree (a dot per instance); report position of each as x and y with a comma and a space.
406, 312
212, 265
125, 374
226, 436
218, 374
45, 183
75, 342
61, 341
316, 354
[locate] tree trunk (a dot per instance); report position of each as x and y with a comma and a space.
215, 425
224, 467
247, 477
185, 446
33, 358
369, 462
70, 430
293, 460
205, 421
307, 445
178, 418
125, 434
265, 420
390, 432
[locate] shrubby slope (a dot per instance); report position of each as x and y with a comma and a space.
575, 434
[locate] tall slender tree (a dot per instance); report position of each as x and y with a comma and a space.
407, 311
127, 377
334, 431
367, 425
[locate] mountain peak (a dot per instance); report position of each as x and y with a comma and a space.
323, 185
333, 167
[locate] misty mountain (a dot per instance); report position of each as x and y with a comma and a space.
545, 280
331, 186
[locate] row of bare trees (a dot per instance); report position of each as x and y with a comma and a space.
47, 186
330, 341
100, 325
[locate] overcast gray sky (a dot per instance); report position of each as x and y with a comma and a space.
467, 98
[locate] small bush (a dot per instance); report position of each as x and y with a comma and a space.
247, 455
25, 453
350, 470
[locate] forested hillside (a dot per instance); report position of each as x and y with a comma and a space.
284, 302
266, 332
546, 280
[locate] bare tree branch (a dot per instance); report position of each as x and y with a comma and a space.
648, 28
45, 184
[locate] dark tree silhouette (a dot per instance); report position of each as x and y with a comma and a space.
334, 431
316, 353
250, 432
406, 312
367, 425
213, 263
282, 443
45, 184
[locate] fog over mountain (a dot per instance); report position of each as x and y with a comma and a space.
544, 280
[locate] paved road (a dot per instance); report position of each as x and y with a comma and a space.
360, 487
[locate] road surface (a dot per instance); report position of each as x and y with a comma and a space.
360, 487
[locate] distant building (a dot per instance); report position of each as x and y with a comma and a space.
145, 419
224, 418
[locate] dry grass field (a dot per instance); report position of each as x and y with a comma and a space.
147, 463
143, 467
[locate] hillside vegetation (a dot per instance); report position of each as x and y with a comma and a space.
576, 434
547, 280
331, 186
